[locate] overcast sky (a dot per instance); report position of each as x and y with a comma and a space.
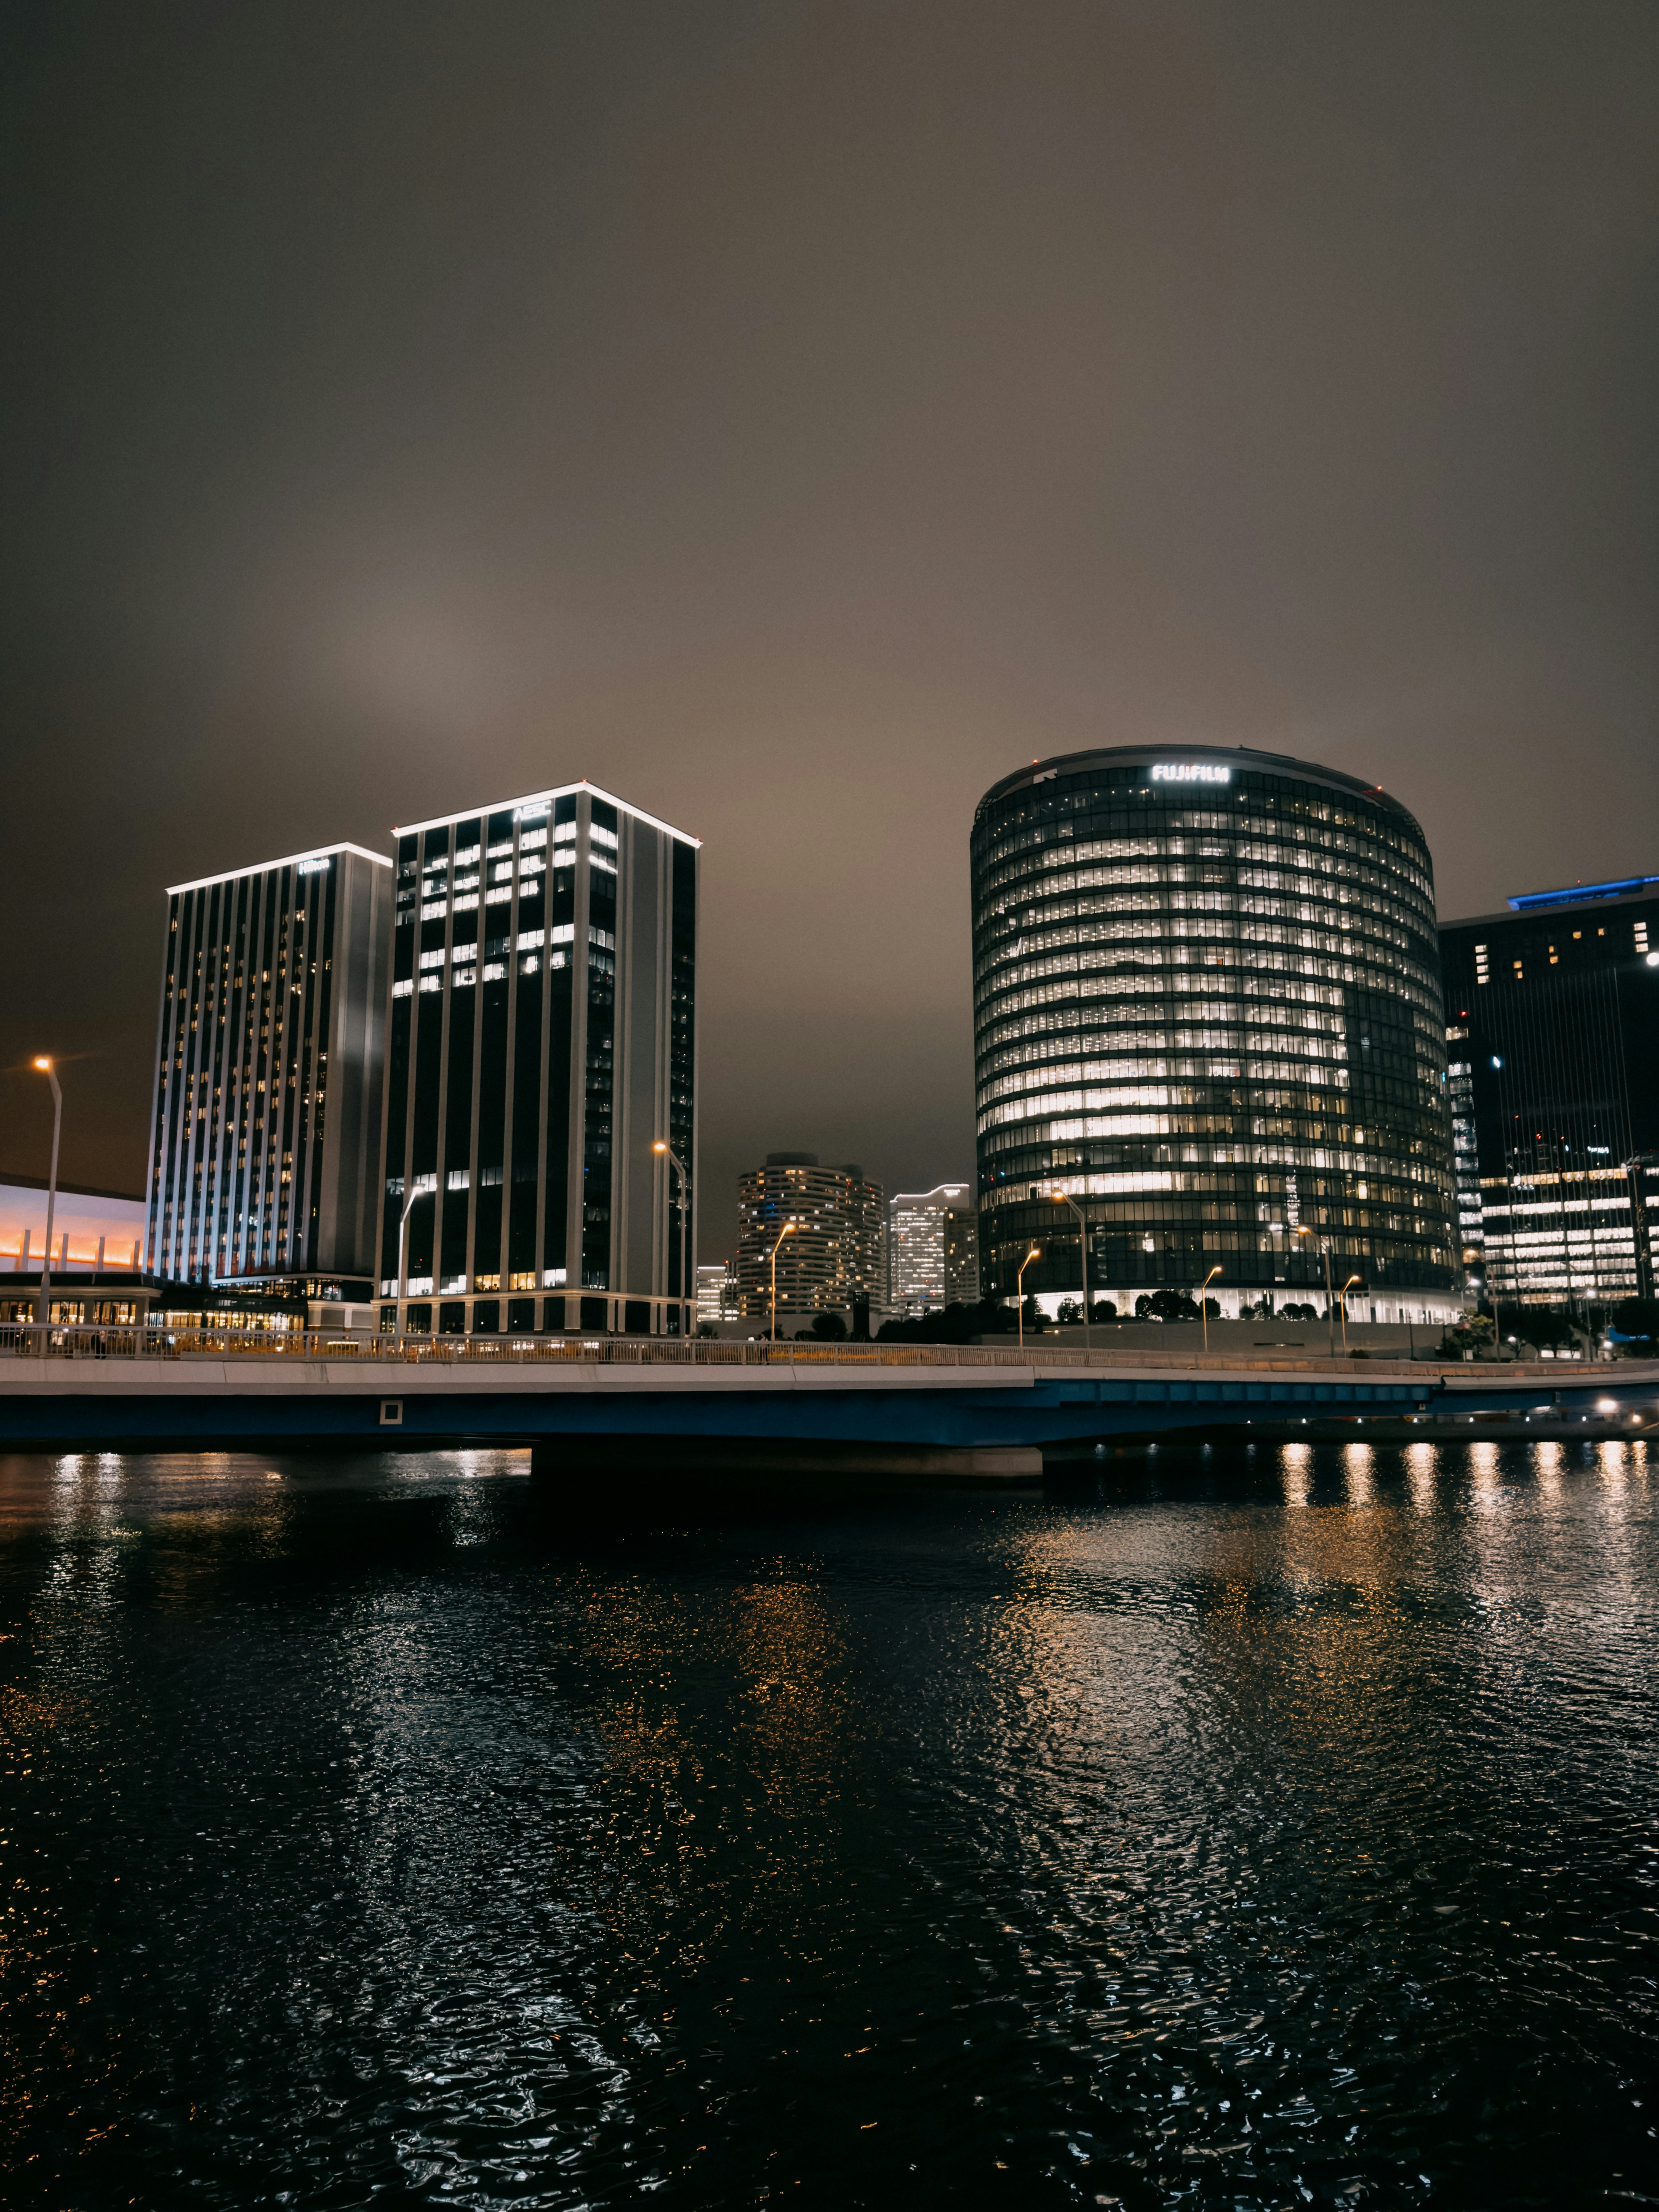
793, 418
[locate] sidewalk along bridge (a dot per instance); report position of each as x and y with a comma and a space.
976, 1411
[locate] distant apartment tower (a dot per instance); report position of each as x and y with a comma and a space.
932, 1248
541, 1039
1552, 1028
265, 1132
833, 1253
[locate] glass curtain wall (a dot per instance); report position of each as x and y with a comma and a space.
1208, 1006
1555, 1038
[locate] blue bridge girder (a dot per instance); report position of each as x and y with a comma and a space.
251, 1402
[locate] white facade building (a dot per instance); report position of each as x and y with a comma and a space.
265, 1129
932, 1248
717, 1294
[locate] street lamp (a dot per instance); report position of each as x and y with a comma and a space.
1019, 1289
402, 1277
788, 1230
42, 1306
1330, 1299
1346, 1287
1064, 1198
678, 1166
1203, 1309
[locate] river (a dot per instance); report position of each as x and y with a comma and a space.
1250, 1826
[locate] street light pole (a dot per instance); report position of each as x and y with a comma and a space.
1346, 1287
1330, 1313
788, 1230
1203, 1307
1019, 1291
678, 1166
1064, 1198
403, 1276
42, 1306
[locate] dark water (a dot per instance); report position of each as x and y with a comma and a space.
1248, 1831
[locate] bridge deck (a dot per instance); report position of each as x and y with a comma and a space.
638, 1363
99, 1388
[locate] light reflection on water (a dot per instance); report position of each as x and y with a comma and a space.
1256, 1825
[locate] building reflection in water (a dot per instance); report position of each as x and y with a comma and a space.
1548, 1459
1486, 1481
1357, 1467
1296, 1464
1422, 1472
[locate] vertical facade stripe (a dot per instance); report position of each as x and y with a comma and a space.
246, 1122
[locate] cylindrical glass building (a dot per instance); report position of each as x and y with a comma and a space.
1207, 1007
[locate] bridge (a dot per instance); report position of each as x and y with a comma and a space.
974, 1412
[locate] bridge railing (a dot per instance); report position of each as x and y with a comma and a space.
30, 1341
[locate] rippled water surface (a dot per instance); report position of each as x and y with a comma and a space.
1264, 1830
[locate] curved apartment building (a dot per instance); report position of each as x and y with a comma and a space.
1207, 1008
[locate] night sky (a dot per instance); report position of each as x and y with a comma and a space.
793, 418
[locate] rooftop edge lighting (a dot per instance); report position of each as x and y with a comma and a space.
533, 804
1527, 900
310, 862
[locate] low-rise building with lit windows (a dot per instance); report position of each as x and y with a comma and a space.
1207, 1008
97, 1245
91, 1230
717, 1295
1552, 1008
265, 1133
541, 1039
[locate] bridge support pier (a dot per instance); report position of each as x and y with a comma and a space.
677, 1461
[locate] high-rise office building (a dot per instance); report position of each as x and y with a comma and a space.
541, 1040
932, 1248
265, 1132
1553, 1012
832, 1256
1207, 1007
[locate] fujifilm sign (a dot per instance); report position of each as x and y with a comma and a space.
1186, 772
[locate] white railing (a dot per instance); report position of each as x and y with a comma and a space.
29, 1341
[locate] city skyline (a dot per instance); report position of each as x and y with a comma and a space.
712, 1238
1017, 388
